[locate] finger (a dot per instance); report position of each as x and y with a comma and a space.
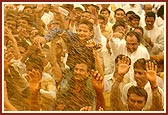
98, 77
89, 108
147, 66
123, 59
150, 65
155, 68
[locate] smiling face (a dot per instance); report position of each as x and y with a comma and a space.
81, 72
84, 32
119, 15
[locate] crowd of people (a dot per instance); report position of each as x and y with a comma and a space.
84, 57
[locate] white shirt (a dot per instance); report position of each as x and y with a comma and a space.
157, 37
136, 8
141, 52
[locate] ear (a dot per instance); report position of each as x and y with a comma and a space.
127, 99
91, 33
88, 73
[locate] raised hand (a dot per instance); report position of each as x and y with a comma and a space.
97, 81
151, 69
123, 65
34, 78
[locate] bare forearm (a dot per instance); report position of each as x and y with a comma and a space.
98, 63
56, 69
100, 102
157, 104
115, 97
34, 104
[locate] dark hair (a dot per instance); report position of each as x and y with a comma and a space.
105, 9
134, 16
78, 9
130, 12
132, 33
138, 91
140, 63
68, 7
160, 11
150, 14
86, 22
119, 9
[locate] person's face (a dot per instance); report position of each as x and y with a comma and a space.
140, 77
81, 72
84, 32
102, 24
149, 22
119, 15
85, 16
135, 102
105, 14
132, 43
11, 25
135, 22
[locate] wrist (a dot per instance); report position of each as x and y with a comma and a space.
154, 87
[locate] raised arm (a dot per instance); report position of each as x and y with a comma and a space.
34, 78
115, 97
157, 104
97, 81
56, 69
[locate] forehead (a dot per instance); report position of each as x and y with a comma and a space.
83, 26
119, 12
104, 11
81, 66
139, 69
150, 18
131, 39
133, 96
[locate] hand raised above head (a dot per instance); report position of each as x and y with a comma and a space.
97, 81
34, 78
123, 65
151, 69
